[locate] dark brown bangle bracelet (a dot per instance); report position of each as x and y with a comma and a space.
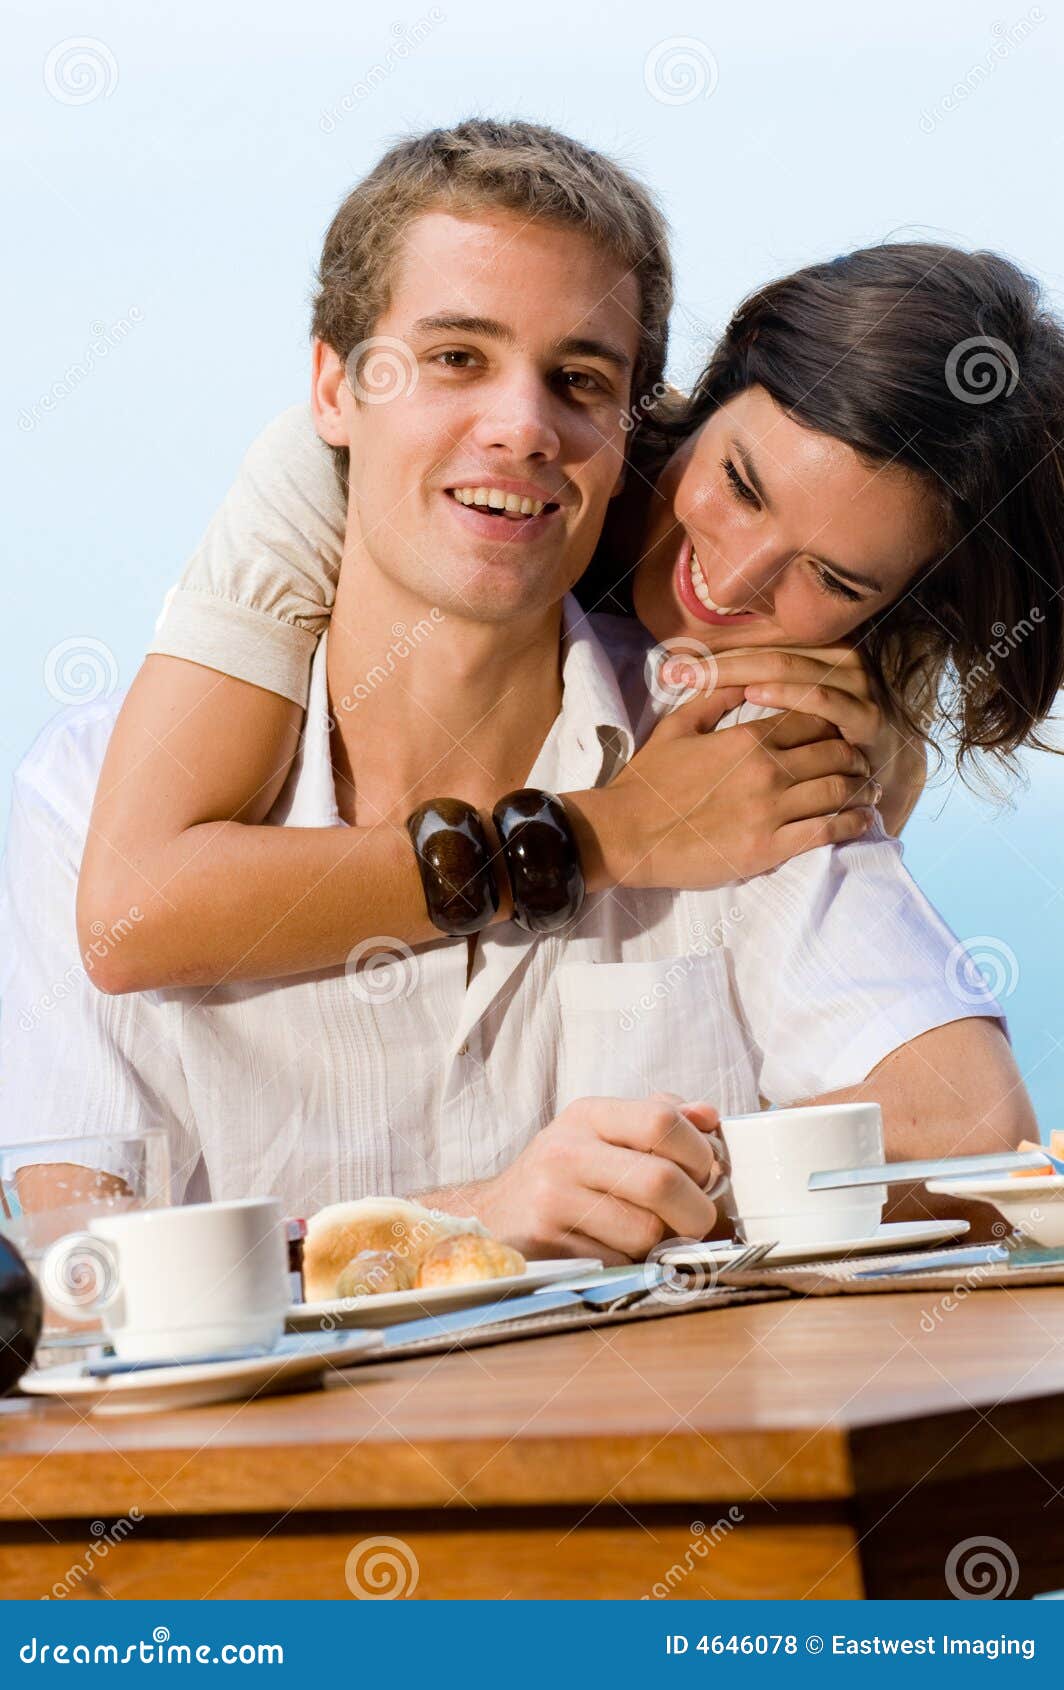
454, 860
542, 859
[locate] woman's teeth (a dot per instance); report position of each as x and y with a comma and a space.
505, 504
698, 582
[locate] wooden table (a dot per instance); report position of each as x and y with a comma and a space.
821, 1448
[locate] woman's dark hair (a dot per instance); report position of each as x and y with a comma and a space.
948, 364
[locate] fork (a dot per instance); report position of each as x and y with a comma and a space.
747, 1259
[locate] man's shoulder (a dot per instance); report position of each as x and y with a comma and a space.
59, 773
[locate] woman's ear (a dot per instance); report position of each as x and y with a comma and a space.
328, 387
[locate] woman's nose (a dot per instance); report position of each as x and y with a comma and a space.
741, 575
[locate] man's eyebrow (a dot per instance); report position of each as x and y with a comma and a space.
456, 324
585, 346
758, 485
574, 346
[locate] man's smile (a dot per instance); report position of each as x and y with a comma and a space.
503, 510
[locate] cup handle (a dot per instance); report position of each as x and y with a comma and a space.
79, 1275
723, 1183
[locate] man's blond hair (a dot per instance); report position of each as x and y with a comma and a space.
521, 167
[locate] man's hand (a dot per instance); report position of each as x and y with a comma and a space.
695, 808
606, 1178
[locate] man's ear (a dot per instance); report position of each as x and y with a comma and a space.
328, 390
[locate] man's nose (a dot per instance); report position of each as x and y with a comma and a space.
519, 418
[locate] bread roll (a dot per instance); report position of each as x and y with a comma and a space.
465, 1258
372, 1273
336, 1235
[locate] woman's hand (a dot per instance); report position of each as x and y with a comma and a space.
833, 685
697, 809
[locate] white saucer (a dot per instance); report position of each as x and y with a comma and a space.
1034, 1205
391, 1306
294, 1364
892, 1235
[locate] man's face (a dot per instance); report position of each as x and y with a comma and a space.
513, 343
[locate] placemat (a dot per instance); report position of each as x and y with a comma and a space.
827, 1279
570, 1319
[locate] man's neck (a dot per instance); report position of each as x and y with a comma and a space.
428, 704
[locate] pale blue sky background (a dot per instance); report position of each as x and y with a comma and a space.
187, 200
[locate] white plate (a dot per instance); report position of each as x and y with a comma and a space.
389, 1307
1034, 1205
892, 1235
294, 1364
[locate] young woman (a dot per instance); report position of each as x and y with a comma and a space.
859, 515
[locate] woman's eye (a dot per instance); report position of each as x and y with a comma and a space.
839, 589
738, 486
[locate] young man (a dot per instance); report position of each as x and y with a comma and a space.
526, 318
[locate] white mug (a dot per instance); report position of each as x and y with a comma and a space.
768, 1158
206, 1279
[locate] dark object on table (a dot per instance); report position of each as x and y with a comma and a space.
21, 1312
296, 1232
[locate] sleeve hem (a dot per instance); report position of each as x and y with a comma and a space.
251, 645
855, 1058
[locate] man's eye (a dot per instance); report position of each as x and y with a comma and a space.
580, 381
454, 359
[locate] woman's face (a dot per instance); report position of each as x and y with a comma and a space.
762, 532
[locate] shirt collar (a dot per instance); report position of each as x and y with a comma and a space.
589, 740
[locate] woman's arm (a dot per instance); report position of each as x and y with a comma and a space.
175, 859
178, 862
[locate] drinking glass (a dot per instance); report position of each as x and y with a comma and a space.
52, 1186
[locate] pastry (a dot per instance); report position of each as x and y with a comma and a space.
467, 1257
336, 1235
373, 1272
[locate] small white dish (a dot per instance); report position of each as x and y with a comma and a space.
293, 1365
891, 1235
388, 1307
1034, 1204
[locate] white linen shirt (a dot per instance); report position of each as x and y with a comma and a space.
333, 1085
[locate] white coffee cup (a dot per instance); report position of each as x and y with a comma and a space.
767, 1159
207, 1279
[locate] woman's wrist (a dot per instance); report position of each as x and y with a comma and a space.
600, 844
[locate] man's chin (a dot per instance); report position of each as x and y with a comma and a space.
497, 595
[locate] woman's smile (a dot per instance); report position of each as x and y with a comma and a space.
689, 584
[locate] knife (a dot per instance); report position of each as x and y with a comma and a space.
941, 1167
640, 1282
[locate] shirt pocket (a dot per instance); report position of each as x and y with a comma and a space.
631, 1028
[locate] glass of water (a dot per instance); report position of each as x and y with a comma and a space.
52, 1186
